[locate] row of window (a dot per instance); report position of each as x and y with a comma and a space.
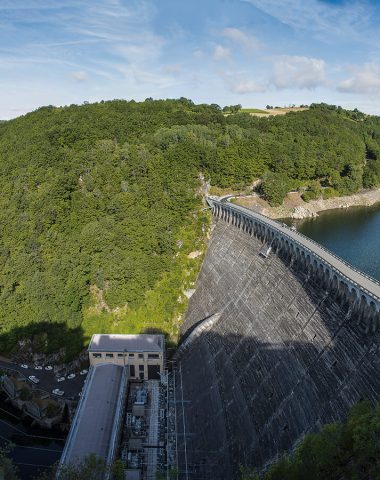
121, 355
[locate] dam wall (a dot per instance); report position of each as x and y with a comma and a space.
273, 348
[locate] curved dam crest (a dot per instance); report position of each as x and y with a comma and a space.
274, 347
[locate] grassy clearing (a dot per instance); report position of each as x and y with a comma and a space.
253, 110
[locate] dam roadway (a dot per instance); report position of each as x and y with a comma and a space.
353, 277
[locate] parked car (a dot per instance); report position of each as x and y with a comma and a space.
59, 392
38, 367
72, 375
61, 379
24, 365
83, 372
48, 367
33, 379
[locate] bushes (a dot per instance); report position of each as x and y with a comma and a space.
313, 192
274, 187
329, 193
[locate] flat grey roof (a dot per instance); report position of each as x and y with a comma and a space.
131, 343
97, 414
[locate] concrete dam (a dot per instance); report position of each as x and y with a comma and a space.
280, 337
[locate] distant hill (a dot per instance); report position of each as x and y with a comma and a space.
101, 204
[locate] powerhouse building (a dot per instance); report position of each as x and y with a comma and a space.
115, 360
143, 354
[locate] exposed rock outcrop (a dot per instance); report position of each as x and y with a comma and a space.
302, 212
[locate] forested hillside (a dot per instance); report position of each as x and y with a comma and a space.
100, 204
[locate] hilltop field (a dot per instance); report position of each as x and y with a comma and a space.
103, 221
272, 111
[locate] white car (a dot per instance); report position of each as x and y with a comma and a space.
48, 367
38, 367
72, 375
83, 372
24, 365
33, 379
61, 379
59, 392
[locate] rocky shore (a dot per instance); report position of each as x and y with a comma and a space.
295, 207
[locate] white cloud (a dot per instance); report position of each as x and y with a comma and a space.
249, 42
246, 86
364, 79
240, 84
299, 72
80, 75
221, 53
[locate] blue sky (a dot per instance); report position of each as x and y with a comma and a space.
253, 52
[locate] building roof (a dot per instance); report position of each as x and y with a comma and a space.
129, 343
98, 414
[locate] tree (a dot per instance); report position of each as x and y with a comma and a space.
7, 469
274, 187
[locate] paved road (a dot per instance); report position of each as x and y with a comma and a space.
356, 277
48, 380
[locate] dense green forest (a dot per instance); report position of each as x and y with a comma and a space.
348, 450
101, 204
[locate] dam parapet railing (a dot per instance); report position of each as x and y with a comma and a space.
352, 285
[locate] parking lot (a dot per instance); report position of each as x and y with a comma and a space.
48, 380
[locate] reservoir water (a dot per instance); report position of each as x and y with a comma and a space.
353, 234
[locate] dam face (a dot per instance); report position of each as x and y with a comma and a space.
280, 356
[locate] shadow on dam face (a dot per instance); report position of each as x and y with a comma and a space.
283, 358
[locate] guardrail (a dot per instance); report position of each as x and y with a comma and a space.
301, 239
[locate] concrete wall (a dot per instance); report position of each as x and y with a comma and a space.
128, 358
288, 349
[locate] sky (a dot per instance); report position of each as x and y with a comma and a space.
249, 52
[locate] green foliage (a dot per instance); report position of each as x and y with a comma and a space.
329, 193
96, 199
313, 192
232, 108
349, 450
8, 470
91, 199
91, 467
274, 187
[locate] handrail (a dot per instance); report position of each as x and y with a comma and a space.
303, 240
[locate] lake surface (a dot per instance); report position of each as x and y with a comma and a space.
353, 234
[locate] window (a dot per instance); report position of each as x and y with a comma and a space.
97, 355
132, 370
109, 355
141, 368
131, 354
121, 355
141, 355
153, 355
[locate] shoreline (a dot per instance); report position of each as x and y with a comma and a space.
296, 208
